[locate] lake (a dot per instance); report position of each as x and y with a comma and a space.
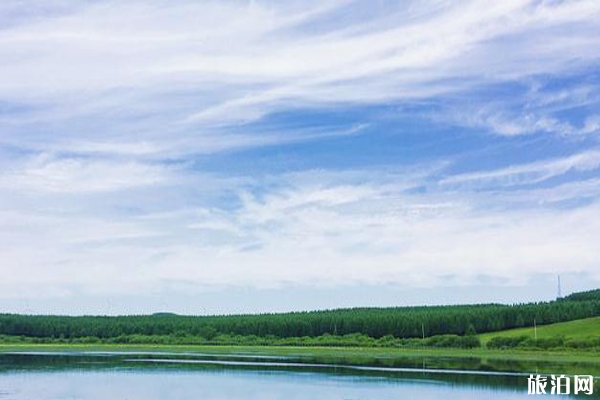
154, 376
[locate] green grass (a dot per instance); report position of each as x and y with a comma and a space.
291, 351
511, 360
578, 329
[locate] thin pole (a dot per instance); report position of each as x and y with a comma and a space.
423, 329
535, 329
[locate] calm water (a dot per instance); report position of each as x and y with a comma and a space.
151, 377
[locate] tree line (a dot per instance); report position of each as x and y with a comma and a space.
397, 322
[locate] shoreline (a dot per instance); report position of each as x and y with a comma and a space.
309, 351
477, 360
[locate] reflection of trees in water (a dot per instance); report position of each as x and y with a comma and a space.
470, 371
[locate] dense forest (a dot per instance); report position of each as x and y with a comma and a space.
374, 323
583, 296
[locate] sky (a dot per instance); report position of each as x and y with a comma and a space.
253, 156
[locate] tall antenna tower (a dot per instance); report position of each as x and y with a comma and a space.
559, 294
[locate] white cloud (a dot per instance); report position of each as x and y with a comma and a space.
192, 65
77, 175
534, 108
346, 230
577, 191
526, 124
534, 172
113, 94
508, 123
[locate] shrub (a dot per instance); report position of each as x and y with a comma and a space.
500, 342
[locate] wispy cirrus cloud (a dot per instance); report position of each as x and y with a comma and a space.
366, 232
530, 173
141, 67
529, 110
76, 175
504, 123
262, 144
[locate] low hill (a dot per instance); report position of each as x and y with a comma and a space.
578, 330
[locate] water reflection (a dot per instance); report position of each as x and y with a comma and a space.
201, 376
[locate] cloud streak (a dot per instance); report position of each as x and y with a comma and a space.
75, 175
194, 65
361, 233
531, 173
146, 145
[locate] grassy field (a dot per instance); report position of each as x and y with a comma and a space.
356, 353
509, 360
578, 329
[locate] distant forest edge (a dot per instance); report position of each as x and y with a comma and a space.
442, 326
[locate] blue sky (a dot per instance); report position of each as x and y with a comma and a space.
217, 157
